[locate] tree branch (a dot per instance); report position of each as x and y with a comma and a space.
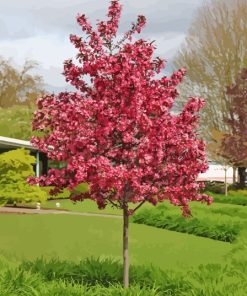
114, 204
136, 208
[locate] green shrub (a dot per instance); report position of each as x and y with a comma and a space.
15, 167
216, 227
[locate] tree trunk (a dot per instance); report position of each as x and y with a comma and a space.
234, 175
125, 247
225, 182
241, 173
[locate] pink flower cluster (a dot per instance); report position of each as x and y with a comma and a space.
108, 29
119, 134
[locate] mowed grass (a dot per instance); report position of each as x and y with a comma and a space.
89, 206
86, 206
78, 237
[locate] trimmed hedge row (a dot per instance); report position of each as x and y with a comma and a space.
217, 227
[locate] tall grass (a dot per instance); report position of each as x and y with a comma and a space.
93, 277
106, 272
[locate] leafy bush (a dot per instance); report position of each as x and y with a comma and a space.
216, 227
15, 167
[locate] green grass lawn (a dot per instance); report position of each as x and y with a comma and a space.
77, 237
87, 206
90, 206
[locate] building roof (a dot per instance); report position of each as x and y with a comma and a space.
8, 143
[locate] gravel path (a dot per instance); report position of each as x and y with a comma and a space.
11, 210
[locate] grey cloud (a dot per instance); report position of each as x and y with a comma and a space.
169, 15
58, 16
15, 26
167, 22
3, 29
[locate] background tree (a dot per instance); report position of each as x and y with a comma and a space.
18, 92
15, 167
231, 148
235, 143
16, 122
216, 151
19, 87
117, 133
214, 52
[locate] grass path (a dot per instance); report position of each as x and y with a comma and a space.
20, 210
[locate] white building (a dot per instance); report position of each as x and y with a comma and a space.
216, 172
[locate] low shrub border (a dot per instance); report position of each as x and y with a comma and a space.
218, 227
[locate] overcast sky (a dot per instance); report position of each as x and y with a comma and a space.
39, 30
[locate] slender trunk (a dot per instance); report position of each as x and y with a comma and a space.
234, 175
225, 182
241, 172
125, 246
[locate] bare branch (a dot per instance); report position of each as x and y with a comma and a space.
114, 204
135, 209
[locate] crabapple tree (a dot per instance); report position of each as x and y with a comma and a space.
117, 132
